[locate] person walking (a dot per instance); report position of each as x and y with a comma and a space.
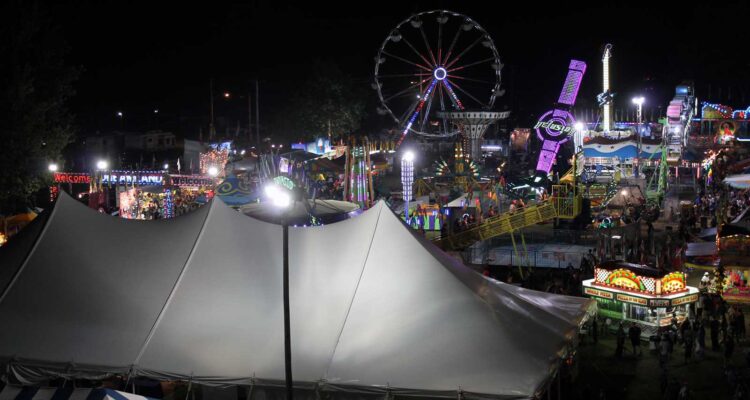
670, 343
595, 329
620, 341
688, 342
635, 338
663, 350
740, 324
728, 349
714, 326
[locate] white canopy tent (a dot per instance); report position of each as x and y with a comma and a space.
375, 309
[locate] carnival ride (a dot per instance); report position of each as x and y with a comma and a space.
358, 187
557, 126
680, 113
554, 128
421, 78
565, 203
656, 188
464, 172
606, 96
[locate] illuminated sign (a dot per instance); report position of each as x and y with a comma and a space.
131, 178
67, 177
684, 300
632, 299
659, 302
284, 165
284, 181
168, 204
555, 127
191, 180
597, 293
223, 146
53, 192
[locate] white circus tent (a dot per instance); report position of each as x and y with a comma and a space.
375, 309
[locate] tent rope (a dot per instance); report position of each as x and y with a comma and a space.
354, 295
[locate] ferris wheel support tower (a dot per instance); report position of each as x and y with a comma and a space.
473, 125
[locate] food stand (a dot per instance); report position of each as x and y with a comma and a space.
634, 293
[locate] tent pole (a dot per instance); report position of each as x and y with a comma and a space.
287, 334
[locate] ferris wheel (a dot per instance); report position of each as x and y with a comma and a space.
433, 63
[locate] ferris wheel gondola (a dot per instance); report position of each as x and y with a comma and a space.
433, 63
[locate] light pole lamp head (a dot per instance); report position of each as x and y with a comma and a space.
408, 156
52, 167
638, 100
102, 165
279, 196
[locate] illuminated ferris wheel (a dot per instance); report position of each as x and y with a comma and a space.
433, 63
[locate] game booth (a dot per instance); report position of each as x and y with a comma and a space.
633, 293
733, 246
155, 194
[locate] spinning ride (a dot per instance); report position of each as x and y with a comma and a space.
431, 64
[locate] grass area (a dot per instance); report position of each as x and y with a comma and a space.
639, 377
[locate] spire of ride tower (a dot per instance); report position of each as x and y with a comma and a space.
605, 99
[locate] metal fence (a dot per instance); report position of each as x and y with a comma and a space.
615, 241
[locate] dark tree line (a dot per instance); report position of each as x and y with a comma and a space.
328, 101
35, 84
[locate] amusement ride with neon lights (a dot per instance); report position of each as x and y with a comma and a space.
431, 64
557, 126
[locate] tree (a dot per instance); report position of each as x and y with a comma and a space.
35, 84
330, 101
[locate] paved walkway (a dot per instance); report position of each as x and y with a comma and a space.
639, 377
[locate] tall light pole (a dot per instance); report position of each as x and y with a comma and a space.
102, 165
638, 101
407, 180
281, 197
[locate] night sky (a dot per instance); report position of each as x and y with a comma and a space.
141, 56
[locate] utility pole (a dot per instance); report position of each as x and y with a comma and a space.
257, 114
249, 117
211, 130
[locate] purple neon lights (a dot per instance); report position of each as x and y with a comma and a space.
555, 127
572, 82
547, 156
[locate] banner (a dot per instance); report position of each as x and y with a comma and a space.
132, 178
70, 177
191, 180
